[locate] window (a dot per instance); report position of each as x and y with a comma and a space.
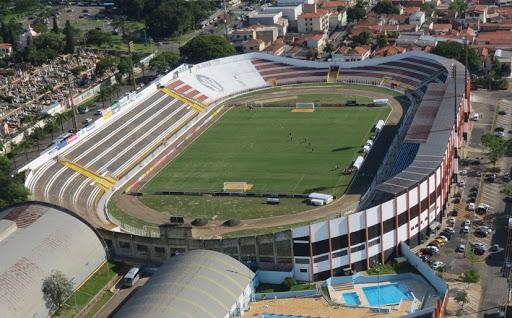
159, 250
374, 242
302, 261
303, 270
357, 248
142, 248
339, 253
124, 244
321, 258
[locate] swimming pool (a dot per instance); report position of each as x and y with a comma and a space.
390, 294
281, 316
351, 299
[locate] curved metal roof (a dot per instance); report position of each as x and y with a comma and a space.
34, 240
196, 284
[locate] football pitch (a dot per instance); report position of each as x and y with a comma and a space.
273, 149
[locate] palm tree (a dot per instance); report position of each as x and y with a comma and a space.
25, 146
61, 118
38, 135
50, 127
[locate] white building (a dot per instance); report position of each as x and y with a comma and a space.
417, 18
314, 22
5, 49
348, 54
504, 56
289, 12
265, 18
294, 2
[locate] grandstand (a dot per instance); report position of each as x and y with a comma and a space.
407, 178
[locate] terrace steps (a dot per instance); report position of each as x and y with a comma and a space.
343, 286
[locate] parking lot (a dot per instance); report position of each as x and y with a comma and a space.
477, 198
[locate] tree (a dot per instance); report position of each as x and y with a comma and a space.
105, 65
70, 40
329, 48
289, 282
462, 298
500, 69
98, 37
164, 61
56, 289
459, 6
13, 189
55, 26
386, 7
38, 134
124, 65
382, 41
356, 12
471, 276
496, 147
206, 47
363, 38
455, 50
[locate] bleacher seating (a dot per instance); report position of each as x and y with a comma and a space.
405, 157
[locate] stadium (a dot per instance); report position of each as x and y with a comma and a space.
144, 142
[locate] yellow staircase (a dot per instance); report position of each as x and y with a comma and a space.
197, 106
103, 182
333, 74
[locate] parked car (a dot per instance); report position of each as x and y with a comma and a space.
437, 265
430, 250
462, 183
478, 244
439, 241
499, 129
447, 235
495, 248
449, 230
455, 212
478, 251
480, 233
451, 220
502, 112
471, 206
461, 248
465, 229
500, 134
442, 237
466, 222
474, 189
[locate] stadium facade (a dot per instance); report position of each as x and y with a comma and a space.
404, 201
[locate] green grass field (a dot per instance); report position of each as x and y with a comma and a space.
255, 146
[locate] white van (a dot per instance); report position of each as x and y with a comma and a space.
131, 277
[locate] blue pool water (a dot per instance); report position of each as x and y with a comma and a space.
389, 294
281, 316
351, 299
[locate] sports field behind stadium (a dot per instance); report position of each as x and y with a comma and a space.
274, 149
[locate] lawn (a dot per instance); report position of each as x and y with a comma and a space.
87, 291
274, 149
327, 99
255, 146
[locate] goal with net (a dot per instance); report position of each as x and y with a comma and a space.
303, 107
237, 187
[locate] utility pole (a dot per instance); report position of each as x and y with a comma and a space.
226, 19
454, 75
130, 49
72, 104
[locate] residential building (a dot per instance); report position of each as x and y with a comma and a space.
265, 18
283, 3
310, 22
29, 33
238, 37
440, 28
504, 56
389, 50
348, 54
289, 12
498, 39
254, 45
5, 49
477, 12
417, 18
337, 19
267, 34
316, 41
276, 48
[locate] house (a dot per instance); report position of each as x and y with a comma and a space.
337, 19
283, 3
348, 54
440, 28
254, 45
316, 41
238, 37
477, 12
417, 18
276, 48
334, 5
317, 21
389, 50
504, 56
267, 34
498, 39
5, 49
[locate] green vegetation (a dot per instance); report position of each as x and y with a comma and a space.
363, 38
356, 12
164, 61
274, 149
126, 218
334, 98
386, 7
169, 17
455, 50
13, 190
88, 290
496, 147
391, 268
206, 47
222, 208
97, 306
471, 276
288, 284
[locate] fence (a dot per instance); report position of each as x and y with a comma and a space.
288, 294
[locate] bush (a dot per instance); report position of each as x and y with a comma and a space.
232, 222
289, 282
200, 222
471, 276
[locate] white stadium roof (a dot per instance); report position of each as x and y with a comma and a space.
34, 240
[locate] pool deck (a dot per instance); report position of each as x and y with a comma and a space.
316, 307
